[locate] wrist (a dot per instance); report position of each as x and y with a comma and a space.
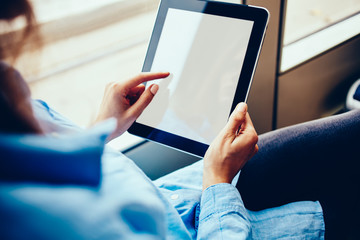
209, 181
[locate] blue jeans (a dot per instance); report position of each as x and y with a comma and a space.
318, 160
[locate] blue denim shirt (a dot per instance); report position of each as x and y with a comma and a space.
219, 213
126, 204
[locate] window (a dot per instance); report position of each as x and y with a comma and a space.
306, 17
312, 27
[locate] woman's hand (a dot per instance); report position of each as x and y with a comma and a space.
231, 149
126, 100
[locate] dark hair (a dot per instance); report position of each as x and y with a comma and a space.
12, 43
14, 8
12, 86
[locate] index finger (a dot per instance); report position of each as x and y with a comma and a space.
247, 131
144, 77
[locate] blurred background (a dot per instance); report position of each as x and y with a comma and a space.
309, 60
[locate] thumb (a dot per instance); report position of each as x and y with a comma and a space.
144, 100
237, 118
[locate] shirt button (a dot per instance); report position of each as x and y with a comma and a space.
54, 134
174, 196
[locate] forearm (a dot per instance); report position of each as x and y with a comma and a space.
222, 214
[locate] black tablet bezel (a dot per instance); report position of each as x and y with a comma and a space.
260, 18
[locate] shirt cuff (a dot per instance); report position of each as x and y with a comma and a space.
222, 197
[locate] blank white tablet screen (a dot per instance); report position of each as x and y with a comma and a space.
204, 54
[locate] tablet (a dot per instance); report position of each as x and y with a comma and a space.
211, 50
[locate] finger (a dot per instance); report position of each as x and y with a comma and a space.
254, 151
237, 118
247, 127
144, 100
247, 136
137, 88
144, 77
137, 91
248, 124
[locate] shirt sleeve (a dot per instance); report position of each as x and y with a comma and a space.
65, 159
222, 214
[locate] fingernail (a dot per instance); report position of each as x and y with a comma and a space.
154, 88
242, 107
